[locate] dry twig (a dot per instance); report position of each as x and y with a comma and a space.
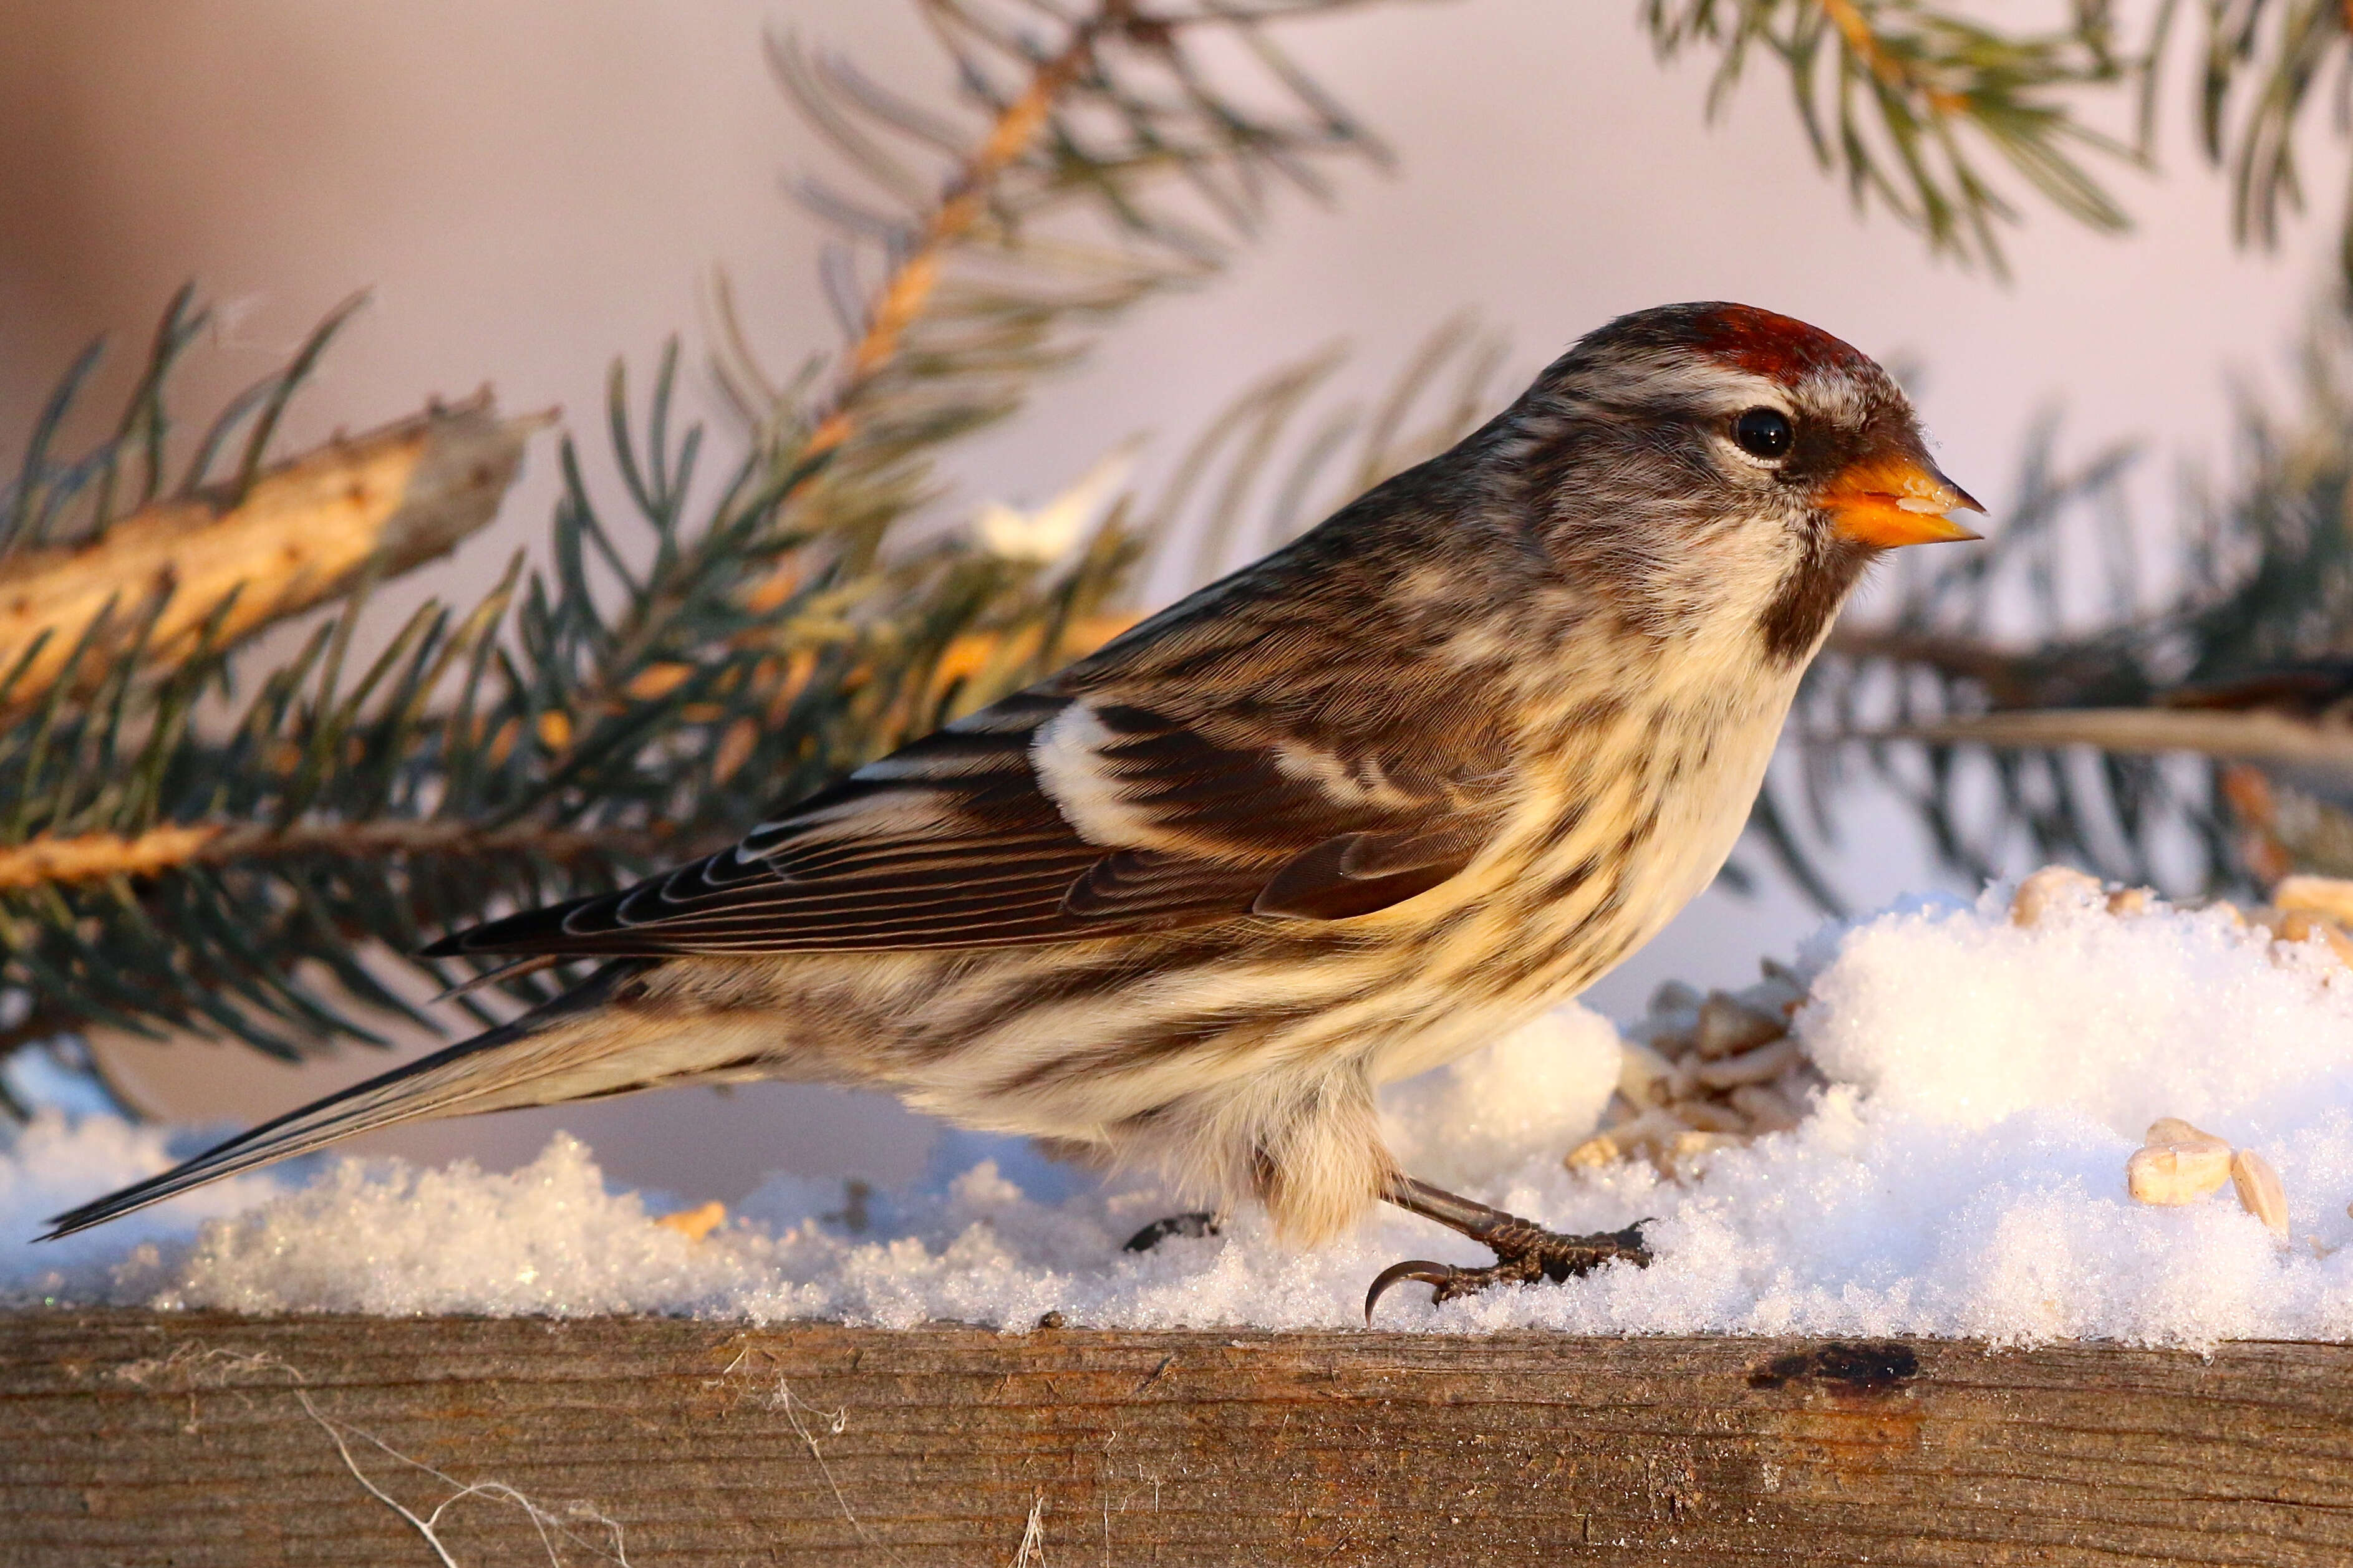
305, 532
92, 856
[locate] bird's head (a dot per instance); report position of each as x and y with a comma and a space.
1722, 469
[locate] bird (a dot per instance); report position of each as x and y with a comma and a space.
1341, 816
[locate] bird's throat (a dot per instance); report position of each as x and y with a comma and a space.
1798, 616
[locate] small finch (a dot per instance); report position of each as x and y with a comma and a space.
1339, 818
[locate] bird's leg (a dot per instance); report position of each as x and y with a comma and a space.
1525, 1251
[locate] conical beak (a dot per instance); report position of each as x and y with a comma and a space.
1900, 499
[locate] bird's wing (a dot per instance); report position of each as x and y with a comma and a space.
1047, 818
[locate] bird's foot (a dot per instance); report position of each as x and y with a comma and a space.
1524, 1253
1201, 1223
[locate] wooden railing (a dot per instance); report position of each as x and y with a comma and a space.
133, 1437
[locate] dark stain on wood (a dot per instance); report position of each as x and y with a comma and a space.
194, 1440
1876, 1367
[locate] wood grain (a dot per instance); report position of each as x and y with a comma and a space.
140, 1438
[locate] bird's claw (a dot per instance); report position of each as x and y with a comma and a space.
1440, 1275
1524, 1253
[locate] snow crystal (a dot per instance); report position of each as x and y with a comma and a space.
1963, 1175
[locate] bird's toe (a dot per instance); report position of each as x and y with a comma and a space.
1524, 1253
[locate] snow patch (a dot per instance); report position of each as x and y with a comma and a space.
1964, 1175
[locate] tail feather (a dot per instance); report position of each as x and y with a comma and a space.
437, 1083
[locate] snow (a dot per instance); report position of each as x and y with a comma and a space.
1964, 1175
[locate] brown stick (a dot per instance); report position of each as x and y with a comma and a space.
307, 531
2256, 737
91, 856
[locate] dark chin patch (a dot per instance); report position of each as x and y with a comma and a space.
1794, 622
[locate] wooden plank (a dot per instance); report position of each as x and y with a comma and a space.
142, 1438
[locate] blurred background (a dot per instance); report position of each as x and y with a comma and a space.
529, 189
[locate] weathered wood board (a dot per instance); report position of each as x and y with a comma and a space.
138, 1438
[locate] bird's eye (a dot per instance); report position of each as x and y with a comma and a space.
1763, 433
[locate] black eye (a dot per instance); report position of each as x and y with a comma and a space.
1764, 433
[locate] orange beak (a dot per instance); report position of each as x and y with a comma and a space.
1900, 499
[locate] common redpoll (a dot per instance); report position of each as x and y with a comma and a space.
1342, 817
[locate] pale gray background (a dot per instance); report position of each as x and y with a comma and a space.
533, 186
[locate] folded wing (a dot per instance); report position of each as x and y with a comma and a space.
1044, 819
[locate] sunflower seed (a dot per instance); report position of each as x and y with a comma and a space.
1762, 1065
1640, 1070
1674, 996
1727, 1025
2329, 897
2173, 1130
2298, 925
2259, 1192
2052, 888
2172, 1173
1708, 1116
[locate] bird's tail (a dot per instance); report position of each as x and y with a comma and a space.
468, 1075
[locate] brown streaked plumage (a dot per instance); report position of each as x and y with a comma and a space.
1335, 819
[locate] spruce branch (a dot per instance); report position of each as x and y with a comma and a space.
916, 276
1106, 165
1270, 463
1905, 100
2262, 60
185, 847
